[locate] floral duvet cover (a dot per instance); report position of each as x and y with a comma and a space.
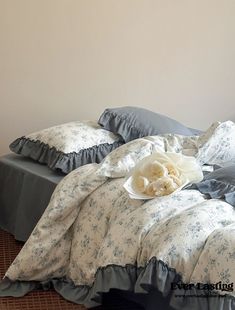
94, 237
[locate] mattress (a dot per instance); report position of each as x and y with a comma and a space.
25, 190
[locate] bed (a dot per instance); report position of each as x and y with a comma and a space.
93, 237
26, 188
33, 185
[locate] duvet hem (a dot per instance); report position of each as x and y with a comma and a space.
155, 275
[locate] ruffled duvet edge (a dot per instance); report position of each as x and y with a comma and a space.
155, 275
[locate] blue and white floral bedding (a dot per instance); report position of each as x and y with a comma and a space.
94, 237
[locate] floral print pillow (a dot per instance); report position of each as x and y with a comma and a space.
66, 147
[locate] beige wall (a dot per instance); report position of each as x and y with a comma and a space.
62, 60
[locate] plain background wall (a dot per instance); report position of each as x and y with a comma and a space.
63, 60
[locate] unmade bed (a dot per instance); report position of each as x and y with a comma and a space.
174, 249
26, 189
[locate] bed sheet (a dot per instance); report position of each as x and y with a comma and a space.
25, 191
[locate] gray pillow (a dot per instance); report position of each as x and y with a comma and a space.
219, 184
132, 123
196, 132
68, 146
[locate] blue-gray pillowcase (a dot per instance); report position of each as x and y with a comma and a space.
133, 123
219, 184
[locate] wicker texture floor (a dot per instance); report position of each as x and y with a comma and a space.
38, 300
45, 300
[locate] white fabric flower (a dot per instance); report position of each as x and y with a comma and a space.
153, 170
141, 183
161, 174
161, 187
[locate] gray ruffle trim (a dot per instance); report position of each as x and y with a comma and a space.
119, 126
156, 275
58, 160
217, 189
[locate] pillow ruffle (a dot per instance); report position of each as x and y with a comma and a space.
57, 160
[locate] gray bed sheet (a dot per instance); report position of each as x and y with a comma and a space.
25, 190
